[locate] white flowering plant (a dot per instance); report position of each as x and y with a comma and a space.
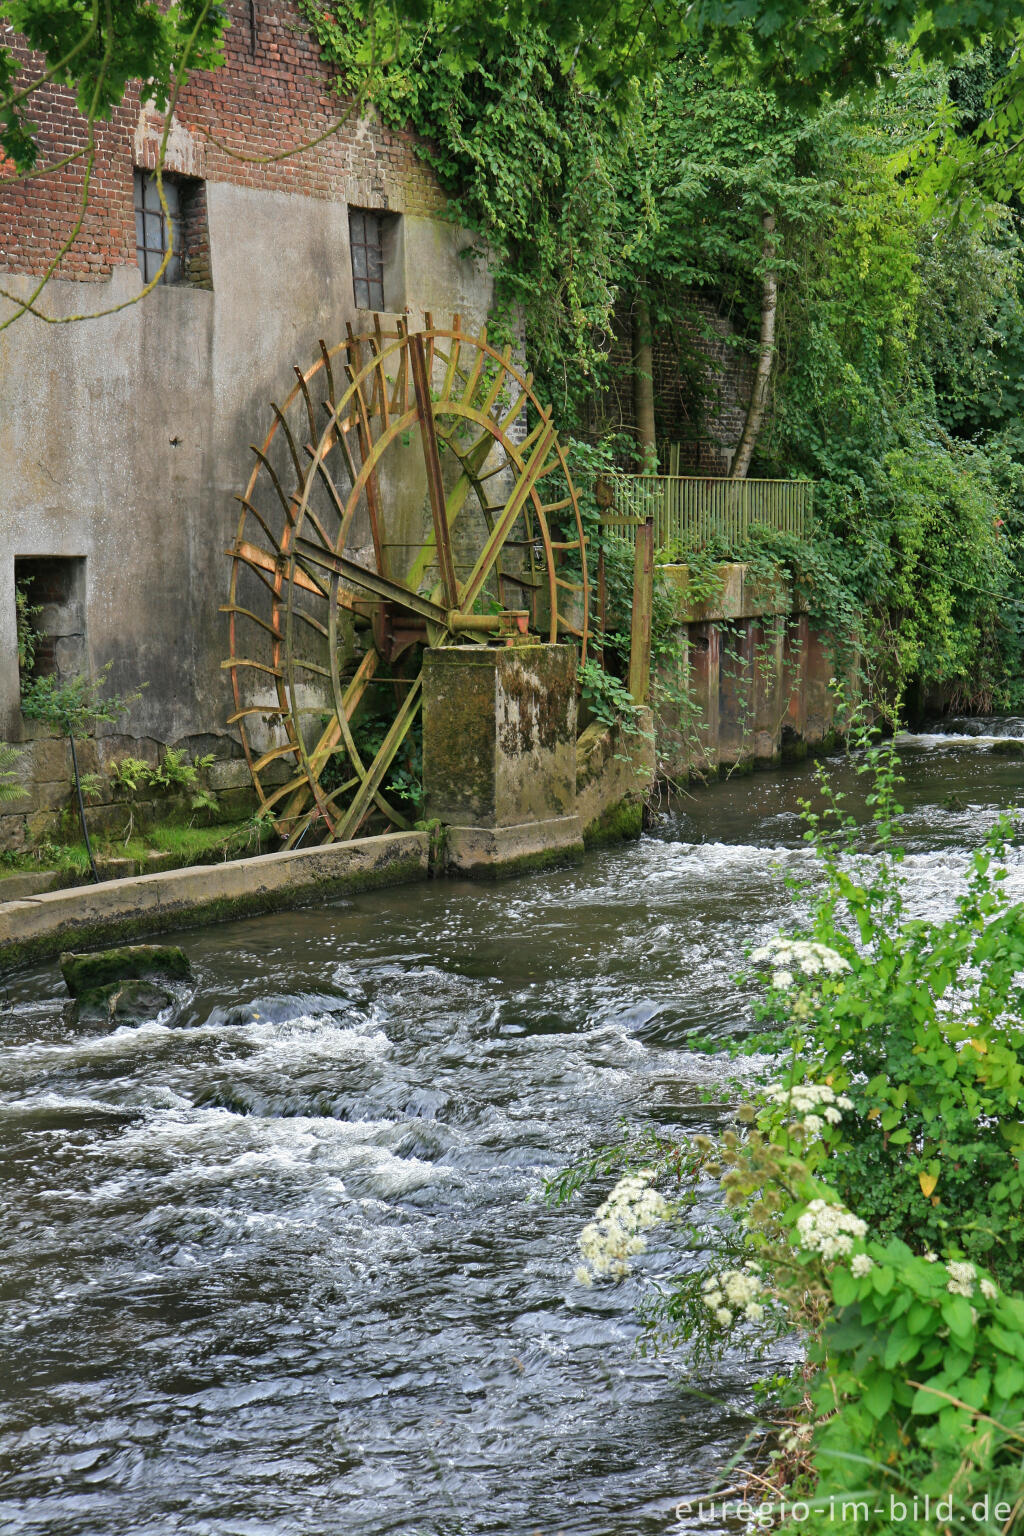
911, 1033
872, 1186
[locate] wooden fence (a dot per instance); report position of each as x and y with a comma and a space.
691, 510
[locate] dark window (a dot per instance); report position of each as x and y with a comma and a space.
366, 236
187, 223
151, 227
51, 591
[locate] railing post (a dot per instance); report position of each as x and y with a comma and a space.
602, 605
640, 620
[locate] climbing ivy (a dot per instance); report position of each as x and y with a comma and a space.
899, 354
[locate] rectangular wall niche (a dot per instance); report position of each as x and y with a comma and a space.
54, 585
378, 259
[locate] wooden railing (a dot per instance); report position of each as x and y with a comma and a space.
692, 510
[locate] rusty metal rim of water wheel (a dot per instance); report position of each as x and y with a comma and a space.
444, 386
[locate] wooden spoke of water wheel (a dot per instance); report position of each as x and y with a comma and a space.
411, 491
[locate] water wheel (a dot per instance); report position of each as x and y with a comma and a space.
411, 491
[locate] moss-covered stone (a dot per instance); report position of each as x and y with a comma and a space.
85, 973
741, 769
615, 824
1007, 746
123, 1002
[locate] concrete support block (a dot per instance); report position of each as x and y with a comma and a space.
769, 690
736, 694
613, 775
704, 654
743, 595
494, 853
499, 734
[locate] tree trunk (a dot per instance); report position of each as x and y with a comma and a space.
643, 385
765, 357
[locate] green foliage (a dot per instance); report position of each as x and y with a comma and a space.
74, 707
926, 1035
608, 699
172, 774
26, 613
927, 1372
815, 48
531, 162
129, 774
404, 781
10, 784
873, 1190
95, 48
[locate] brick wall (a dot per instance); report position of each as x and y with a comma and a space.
702, 382
273, 92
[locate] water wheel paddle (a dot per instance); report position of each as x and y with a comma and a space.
411, 491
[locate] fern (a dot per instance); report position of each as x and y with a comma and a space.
10, 784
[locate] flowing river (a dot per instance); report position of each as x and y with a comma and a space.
276, 1262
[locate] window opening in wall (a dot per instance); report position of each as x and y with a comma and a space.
184, 228
378, 261
50, 593
152, 227
366, 236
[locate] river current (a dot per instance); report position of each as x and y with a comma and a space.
275, 1260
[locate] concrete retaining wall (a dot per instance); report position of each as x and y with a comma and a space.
613, 775
753, 677
40, 926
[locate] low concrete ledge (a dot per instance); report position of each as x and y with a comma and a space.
742, 596
40, 926
495, 853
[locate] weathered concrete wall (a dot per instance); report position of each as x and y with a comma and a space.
753, 675
39, 926
613, 775
499, 734
499, 754
125, 440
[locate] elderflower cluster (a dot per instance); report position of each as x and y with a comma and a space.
961, 1278
609, 1242
740, 1288
829, 1229
807, 1099
787, 955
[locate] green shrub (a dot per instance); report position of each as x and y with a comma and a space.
872, 1192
